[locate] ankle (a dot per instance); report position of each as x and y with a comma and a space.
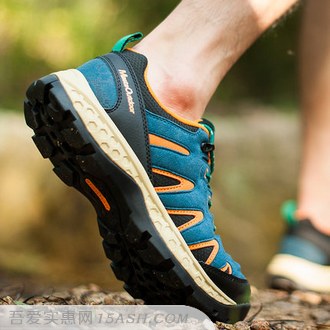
173, 86
175, 94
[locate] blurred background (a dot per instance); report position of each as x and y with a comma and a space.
48, 232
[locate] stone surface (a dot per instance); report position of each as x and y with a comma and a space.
270, 309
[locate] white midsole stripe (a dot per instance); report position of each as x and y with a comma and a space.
114, 145
305, 273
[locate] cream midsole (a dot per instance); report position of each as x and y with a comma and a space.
307, 274
108, 137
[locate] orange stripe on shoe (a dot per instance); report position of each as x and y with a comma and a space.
161, 142
227, 268
98, 193
213, 243
183, 185
198, 217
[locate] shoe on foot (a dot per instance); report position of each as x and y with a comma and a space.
146, 171
303, 261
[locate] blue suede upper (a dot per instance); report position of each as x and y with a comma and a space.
192, 167
101, 81
302, 248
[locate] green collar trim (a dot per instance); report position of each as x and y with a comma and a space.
288, 211
122, 43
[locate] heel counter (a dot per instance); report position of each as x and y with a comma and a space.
101, 81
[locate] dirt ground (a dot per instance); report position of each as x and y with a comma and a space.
271, 309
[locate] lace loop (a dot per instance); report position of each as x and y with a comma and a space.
208, 147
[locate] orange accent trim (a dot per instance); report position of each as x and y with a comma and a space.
98, 193
227, 268
198, 217
183, 185
213, 243
161, 142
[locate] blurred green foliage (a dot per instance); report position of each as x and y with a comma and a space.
38, 37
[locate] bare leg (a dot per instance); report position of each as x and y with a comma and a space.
303, 258
314, 185
194, 47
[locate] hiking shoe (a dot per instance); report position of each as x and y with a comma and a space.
146, 171
303, 261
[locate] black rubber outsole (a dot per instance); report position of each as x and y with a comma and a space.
140, 258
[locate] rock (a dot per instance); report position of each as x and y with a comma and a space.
311, 298
7, 301
241, 326
93, 298
260, 325
121, 298
326, 298
65, 295
94, 287
321, 316
224, 326
291, 309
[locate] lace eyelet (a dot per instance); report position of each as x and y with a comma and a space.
207, 147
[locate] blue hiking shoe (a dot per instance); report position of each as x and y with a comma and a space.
303, 261
146, 171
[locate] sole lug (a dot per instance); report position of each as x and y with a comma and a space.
73, 138
65, 174
31, 116
44, 145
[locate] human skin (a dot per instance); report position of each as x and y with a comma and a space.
191, 51
314, 180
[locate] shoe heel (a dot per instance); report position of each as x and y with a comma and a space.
49, 112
